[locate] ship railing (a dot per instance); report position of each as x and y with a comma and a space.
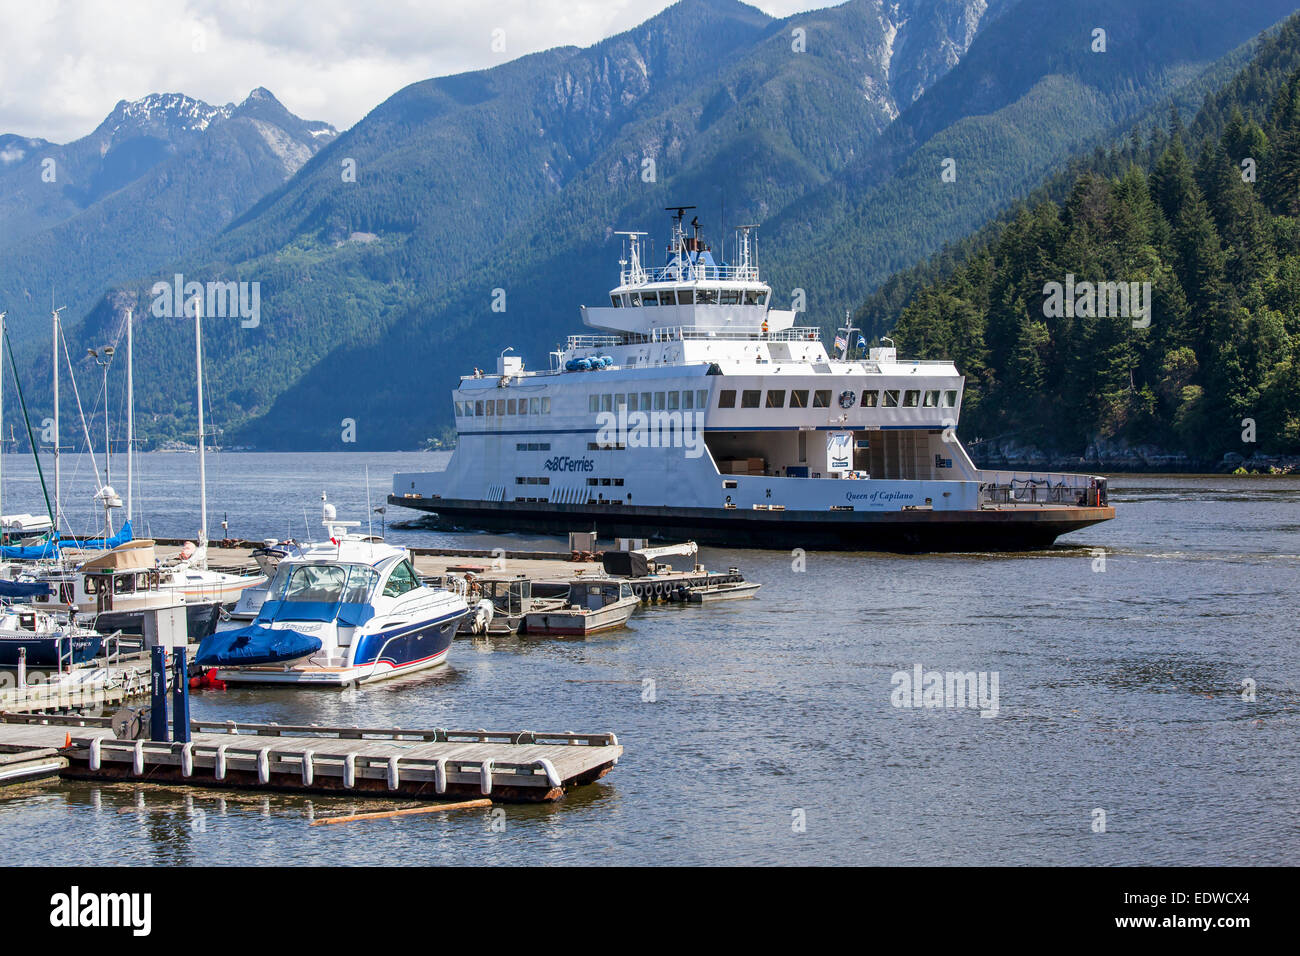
678, 333
1031, 488
692, 273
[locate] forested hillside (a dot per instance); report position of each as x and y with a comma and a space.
1209, 215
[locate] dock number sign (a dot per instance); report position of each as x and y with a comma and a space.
839, 452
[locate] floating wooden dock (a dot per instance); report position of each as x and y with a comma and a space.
87, 686
434, 764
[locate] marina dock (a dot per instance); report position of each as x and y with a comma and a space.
92, 685
434, 764
547, 570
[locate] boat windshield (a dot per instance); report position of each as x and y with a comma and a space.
324, 583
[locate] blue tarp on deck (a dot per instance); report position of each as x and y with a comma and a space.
53, 546
254, 645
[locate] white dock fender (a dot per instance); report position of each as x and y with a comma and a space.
485, 777
219, 763
264, 765
137, 759
350, 771
308, 771
394, 774
95, 744
440, 775
552, 777
187, 759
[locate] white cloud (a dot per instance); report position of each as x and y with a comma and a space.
67, 62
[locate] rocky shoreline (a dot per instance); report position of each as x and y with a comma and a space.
1110, 456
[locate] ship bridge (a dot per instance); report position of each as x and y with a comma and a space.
692, 294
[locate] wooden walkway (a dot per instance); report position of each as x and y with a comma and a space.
92, 685
379, 762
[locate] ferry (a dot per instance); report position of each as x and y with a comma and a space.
694, 408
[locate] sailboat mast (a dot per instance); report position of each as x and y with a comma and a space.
2, 419
203, 475
130, 418
58, 499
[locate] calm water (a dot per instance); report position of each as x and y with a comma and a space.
1119, 689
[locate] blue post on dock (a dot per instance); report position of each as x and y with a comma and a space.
181, 699
158, 694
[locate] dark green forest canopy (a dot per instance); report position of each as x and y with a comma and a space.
1209, 215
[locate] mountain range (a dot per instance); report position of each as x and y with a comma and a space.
379, 253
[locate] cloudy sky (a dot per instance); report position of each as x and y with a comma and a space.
67, 62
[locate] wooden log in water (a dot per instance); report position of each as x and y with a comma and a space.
462, 805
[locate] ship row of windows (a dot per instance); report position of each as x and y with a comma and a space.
544, 480
649, 401
689, 297
533, 446
505, 406
821, 398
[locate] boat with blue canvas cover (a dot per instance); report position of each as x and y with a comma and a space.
342, 612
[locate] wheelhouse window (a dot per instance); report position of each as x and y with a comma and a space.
649, 298
750, 396
491, 408
799, 398
532, 406
931, 399
310, 583
616, 301
631, 401
400, 580
478, 408
729, 297
701, 398
659, 401
688, 399
891, 398
776, 398
751, 297
361, 581
911, 397
706, 296
822, 398
870, 399
668, 297
949, 398
727, 398
510, 407
685, 296
546, 406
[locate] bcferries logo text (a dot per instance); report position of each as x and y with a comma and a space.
565, 463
